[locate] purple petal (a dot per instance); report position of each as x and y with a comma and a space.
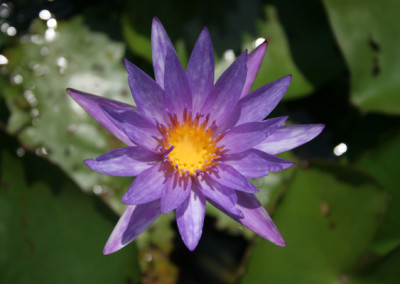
200, 69
245, 136
133, 222
229, 177
253, 65
127, 162
137, 127
226, 92
221, 195
288, 137
92, 104
148, 95
257, 219
190, 218
160, 43
260, 103
254, 163
177, 90
175, 192
147, 186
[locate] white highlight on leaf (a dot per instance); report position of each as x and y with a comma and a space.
258, 41
45, 15
340, 149
52, 23
11, 31
3, 60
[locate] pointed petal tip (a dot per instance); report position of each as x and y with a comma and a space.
107, 251
281, 242
88, 162
125, 199
191, 246
127, 63
156, 19
315, 129
112, 246
262, 47
242, 58
318, 129
205, 30
156, 24
282, 119
288, 77
73, 92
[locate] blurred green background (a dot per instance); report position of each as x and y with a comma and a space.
338, 208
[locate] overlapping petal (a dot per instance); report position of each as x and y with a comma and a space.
148, 186
226, 92
255, 163
148, 95
253, 65
288, 137
259, 104
132, 223
247, 135
256, 218
93, 105
200, 69
190, 218
177, 90
160, 43
137, 127
230, 177
128, 162
223, 196
175, 192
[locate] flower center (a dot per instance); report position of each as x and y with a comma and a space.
194, 145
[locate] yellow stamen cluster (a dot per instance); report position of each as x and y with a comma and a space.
195, 148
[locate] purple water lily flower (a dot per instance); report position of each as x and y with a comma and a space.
191, 141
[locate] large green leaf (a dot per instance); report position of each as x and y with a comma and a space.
383, 271
368, 35
301, 46
52, 232
46, 119
382, 163
328, 218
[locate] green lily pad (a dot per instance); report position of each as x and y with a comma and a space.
52, 232
46, 119
368, 35
384, 271
382, 163
301, 46
328, 218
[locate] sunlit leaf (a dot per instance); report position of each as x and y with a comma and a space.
368, 35
328, 217
45, 118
